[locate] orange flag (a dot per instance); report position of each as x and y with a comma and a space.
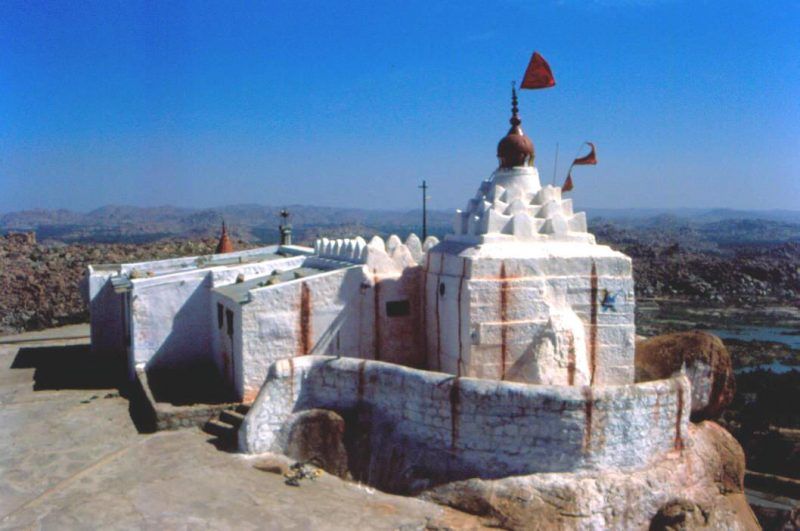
538, 74
591, 158
567, 186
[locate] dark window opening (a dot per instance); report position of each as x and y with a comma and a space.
441, 289
398, 308
219, 316
229, 315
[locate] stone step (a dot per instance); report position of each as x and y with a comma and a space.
232, 417
220, 429
243, 409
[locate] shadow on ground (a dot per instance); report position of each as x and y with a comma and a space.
69, 367
76, 367
196, 384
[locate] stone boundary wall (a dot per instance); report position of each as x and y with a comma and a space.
451, 428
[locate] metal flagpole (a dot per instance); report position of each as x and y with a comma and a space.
424, 189
555, 165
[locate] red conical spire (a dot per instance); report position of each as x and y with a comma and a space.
224, 245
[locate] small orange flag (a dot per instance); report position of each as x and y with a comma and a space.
538, 74
567, 186
591, 158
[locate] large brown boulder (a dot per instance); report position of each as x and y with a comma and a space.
317, 435
708, 367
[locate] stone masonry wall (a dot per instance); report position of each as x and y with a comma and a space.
434, 426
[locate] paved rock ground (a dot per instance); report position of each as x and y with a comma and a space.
71, 458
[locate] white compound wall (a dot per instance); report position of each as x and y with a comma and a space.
452, 428
170, 314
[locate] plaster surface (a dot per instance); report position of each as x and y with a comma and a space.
513, 206
342, 308
534, 312
449, 428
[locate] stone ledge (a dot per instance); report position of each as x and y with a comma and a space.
163, 416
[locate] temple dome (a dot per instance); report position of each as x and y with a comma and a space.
515, 149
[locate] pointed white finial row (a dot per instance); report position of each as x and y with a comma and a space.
513, 207
358, 251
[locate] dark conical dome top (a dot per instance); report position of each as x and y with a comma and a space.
515, 149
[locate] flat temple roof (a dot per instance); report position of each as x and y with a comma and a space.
238, 292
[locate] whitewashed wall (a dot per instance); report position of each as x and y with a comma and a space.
464, 427
170, 322
288, 319
105, 314
169, 319
342, 312
190, 262
523, 312
395, 339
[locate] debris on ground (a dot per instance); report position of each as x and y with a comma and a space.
303, 470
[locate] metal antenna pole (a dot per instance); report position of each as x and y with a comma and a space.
555, 165
424, 189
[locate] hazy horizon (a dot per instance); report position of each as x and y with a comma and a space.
691, 105
444, 210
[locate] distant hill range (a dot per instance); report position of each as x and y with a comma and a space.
259, 223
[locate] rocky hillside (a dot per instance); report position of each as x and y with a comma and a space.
673, 258
685, 264
39, 283
259, 223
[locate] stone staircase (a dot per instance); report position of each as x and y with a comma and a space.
225, 426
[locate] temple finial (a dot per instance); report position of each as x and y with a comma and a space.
515, 121
285, 228
515, 149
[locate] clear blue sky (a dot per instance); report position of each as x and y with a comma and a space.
691, 103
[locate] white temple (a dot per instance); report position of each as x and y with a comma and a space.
519, 291
506, 350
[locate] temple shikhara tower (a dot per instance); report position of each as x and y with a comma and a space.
517, 291
505, 349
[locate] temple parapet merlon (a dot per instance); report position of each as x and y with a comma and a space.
512, 204
378, 253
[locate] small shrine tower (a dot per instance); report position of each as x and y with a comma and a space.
224, 245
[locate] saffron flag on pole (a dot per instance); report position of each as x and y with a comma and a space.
567, 186
538, 74
591, 158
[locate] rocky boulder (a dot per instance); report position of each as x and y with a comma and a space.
699, 486
708, 367
317, 435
